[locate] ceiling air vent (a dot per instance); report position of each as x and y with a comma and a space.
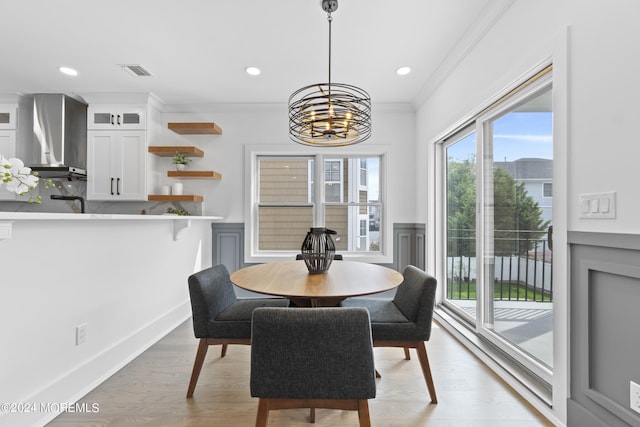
136, 70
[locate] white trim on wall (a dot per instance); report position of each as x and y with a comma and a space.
252, 152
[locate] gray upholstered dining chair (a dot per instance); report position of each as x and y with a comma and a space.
219, 317
404, 321
312, 358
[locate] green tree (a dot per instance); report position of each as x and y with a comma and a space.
461, 207
518, 221
517, 218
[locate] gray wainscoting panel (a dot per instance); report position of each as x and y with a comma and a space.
408, 245
228, 245
421, 244
228, 249
605, 337
403, 248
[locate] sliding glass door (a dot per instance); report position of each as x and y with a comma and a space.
517, 223
499, 193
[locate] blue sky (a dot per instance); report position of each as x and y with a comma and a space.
516, 135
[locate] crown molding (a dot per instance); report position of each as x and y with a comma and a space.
483, 24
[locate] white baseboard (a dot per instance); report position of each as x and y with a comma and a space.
73, 385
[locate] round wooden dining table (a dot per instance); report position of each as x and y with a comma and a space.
292, 280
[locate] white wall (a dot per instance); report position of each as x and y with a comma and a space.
267, 125
592, 45
126, 279
527, 35
604, 110
603, 93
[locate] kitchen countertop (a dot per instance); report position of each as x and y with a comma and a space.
180, 223
14, 216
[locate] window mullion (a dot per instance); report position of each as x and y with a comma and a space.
318, 211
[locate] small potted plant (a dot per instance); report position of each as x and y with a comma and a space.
180, 160
177, 211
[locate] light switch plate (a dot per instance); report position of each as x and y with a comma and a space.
597, 206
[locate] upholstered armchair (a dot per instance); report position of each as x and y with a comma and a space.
404, 321
312, 358
219, 317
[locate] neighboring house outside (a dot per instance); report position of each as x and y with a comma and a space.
537, 177
286, 199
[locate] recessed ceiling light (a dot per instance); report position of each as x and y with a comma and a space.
403, 71
68, 71
252, 71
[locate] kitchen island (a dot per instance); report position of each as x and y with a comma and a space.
84, 294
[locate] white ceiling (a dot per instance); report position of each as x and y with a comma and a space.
197, 50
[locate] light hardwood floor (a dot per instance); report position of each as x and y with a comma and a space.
150, 391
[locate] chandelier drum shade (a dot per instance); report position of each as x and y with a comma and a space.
329, 114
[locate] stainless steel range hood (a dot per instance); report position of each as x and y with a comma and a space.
59, 138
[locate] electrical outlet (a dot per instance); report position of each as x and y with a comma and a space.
634, 396
81, 333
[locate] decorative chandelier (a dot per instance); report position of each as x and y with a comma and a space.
329, 114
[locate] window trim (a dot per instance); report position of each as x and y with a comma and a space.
253, 152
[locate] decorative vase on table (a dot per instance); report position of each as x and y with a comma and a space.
318, 250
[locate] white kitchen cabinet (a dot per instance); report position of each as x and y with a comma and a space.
117, 165
8, 116
114, 117
8, 150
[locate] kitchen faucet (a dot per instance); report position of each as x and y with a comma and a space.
59, 197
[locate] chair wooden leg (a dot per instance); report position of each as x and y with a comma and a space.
363, 413
224, 350
263, 413
312, 415
426, 370
407, 356
197, 365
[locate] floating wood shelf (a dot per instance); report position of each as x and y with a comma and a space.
180, 198
195, 128
171, 150
194, 174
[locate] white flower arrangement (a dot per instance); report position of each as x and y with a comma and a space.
18, 178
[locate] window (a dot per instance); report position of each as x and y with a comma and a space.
286, 203
363, 172
332, 180
547, 189
347, 200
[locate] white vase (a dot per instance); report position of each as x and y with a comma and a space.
180, 166
176, 188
